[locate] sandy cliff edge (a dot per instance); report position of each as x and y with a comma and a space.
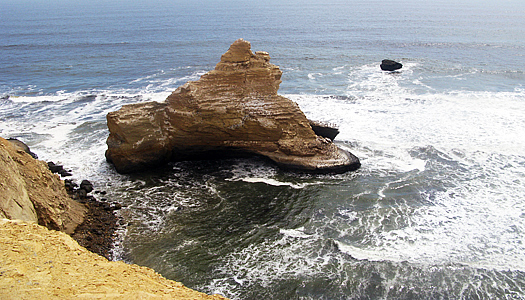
38, 263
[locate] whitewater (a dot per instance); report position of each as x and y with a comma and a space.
437, 210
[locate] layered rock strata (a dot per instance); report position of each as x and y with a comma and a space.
30, 192
233, 109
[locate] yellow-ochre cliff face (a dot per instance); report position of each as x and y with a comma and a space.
37, 263
234, 107
30, 192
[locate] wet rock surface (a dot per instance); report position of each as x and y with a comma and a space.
390, 65
97, 232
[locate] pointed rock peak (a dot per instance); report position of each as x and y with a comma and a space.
234, 110
239, 52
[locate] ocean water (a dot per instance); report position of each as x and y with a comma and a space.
437, 210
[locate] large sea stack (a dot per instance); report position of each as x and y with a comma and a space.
234, 110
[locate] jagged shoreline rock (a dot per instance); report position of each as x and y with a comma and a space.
233, 109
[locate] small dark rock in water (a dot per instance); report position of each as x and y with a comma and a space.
70, 185
23, 146
390, 65
64, 173
86, 186
54, 168
106, 206
116, 206
59, 169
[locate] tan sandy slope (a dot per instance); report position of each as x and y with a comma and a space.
37, 263
30, 192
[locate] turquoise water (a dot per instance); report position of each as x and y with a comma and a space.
437, 210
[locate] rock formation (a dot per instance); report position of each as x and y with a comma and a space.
233, 109
22, 145
390, 65
36, 263
30, 192
324, 129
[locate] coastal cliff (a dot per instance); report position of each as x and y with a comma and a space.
231, 110
37, 263
30, 192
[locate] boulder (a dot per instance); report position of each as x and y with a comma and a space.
86, 186
390, 65
324, 129
233, 110
54, 168
30, 192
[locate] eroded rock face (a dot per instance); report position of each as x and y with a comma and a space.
234, 108
30, 192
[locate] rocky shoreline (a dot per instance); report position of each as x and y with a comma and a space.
56, 239
97, 232
233, 109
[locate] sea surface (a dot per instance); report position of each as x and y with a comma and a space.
437, 210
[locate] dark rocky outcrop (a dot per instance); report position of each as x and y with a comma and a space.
86, 186
390, 65
232, 109
324, 130
58, 169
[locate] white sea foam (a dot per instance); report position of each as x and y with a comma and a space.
295, 233
477, 219
313, 76
457, 154
274, 182
42, 98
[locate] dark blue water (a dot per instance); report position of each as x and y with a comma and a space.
436, 212
50, 46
